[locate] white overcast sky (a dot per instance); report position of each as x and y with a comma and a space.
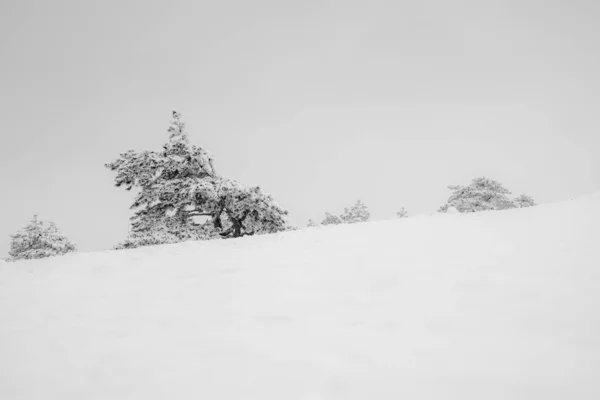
321, 103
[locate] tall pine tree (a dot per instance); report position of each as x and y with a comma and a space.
179, 184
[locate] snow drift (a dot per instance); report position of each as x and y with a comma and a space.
493, 305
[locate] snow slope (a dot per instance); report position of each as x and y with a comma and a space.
494, 305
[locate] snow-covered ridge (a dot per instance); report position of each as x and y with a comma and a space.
492, 305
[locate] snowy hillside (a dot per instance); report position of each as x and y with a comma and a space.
494, 305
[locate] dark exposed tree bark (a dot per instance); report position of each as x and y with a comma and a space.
237, 228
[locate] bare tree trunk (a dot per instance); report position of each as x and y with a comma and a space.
216, 219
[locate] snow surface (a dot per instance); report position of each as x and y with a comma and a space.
493, 305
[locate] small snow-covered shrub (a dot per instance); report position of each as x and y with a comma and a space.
38, 239
483, 194
357, 213
402, 213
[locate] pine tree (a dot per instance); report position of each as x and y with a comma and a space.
180, 183
331, 219
402, 213
38, 239
524, 201
357, 213
481, 195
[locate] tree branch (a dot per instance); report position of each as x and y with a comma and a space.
197, 213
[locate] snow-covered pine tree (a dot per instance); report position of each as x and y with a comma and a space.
179, 184
38, 239
357, 213
402, 213
523, 201
331, 219
481, 195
